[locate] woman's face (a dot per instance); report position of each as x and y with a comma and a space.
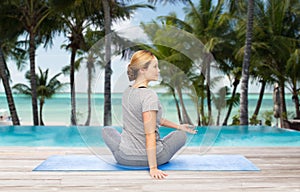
152, 72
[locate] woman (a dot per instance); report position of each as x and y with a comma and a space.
139, 144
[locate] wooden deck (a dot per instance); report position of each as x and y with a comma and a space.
280, 171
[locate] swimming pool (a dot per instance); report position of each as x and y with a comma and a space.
72, 136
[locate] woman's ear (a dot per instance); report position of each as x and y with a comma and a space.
142, 70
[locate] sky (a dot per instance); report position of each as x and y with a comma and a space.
55, 58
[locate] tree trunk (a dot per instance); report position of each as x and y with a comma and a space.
72, 87
89, 92
208, 93
198, 111
107, 78
210, 119
32, 50
206, 71
185, 116
260, 98
42, 101
283, 114
297, 106
244, 117
218, 117
276, 103
198, 114
177, 106
9, 96
202, 112
202, 120
235, 84
296, 101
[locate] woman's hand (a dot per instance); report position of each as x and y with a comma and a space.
157, 174
187, 128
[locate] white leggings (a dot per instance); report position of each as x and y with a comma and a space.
171, 144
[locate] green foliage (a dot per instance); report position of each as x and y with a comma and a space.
219, 98
236, 119
205, 120
46, 87
268, 117
235, 101
254, 120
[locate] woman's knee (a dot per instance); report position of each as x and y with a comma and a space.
174, 141
180, 136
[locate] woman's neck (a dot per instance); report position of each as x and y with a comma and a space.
143, 83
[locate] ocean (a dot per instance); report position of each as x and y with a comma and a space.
57, 110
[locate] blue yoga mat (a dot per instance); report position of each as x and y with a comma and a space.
181, 162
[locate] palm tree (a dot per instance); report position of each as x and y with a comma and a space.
231, 101
34, 18
293, 64
177, 79
226, 52
211, 26
264, 77
263, 48
45, 88
259, 70
278, 25
4, 75
230, 65
171, 90
78, 16
94, 56
108, 7
276, 32
199, 85
293, 71
90, 65
246, 65
108, 70
10, 48
76, 21
219, 100
75, 17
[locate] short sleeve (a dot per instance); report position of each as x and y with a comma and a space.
149, 101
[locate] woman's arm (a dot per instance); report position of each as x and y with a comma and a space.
149, 118
167, 123
183, 127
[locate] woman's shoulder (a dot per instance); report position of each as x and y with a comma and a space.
142, 91
148, 93
147, 90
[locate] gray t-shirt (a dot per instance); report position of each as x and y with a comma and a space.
135, 101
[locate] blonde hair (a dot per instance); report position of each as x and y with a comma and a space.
139, 60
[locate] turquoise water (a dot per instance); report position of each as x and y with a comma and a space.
57, 109
71, 136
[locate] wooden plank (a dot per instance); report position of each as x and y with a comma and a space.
279, 172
